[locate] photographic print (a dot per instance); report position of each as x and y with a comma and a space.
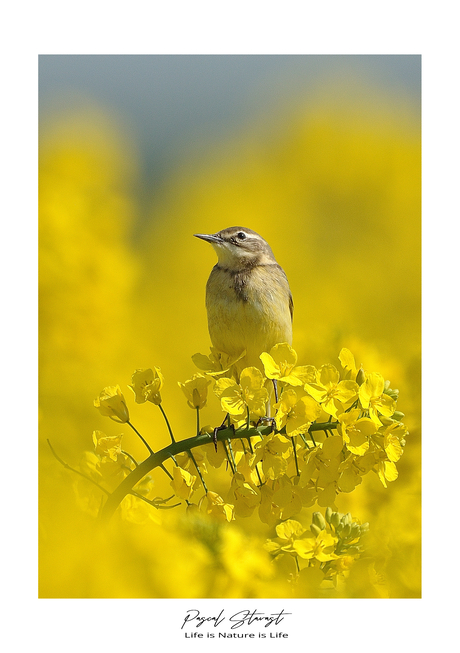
229, 323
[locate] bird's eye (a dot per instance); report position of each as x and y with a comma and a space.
241, 235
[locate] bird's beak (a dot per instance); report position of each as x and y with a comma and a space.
210, 238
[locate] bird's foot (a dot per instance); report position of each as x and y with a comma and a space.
225, 425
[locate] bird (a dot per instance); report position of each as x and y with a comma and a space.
248, 299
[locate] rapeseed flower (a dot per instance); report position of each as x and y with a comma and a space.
356, 431
320, 547
373, 399
183, 483
217, 363
333, 394
196, 390
294, 413
218, 508
249, 394
280, 364
111, 403
146, 385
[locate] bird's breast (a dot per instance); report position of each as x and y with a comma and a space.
248, 310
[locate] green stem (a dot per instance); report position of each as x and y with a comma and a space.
198, 470
256, 468
167, 422
322, 426
156, 459
230, 457
141, 437
150, 449
295, 456
304, 439
72, 469
297, 563
130, 457
153, 503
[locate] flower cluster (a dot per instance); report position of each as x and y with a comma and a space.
107, 465
293, 437
330, 427
331, 544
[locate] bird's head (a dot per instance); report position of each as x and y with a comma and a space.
239, 247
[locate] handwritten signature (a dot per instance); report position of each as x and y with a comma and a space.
195, 618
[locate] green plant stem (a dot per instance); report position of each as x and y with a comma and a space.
155, 504
130, 457
72, 469
150, 449
230, 458
167, 422
295, 456
141, 437
156, 459
251, 449
198, 470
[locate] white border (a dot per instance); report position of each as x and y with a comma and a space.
232, 28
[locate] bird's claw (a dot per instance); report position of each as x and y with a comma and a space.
222, 427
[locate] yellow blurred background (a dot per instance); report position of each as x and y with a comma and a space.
332, 181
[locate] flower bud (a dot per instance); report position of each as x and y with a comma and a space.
353, 550
398, 416
318, 520
335, 519
347, 519
361, 376
345, 532
355, 531
316, 530
394, 394
328, 514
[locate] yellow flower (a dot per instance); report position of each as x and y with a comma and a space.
107, 445
216, 507
269, 451
146, 385
217, 363
348, 364
320, 547
394, 440
288, 497
330, 392
356, 432
280, 364
249, 393
185, 461
245, 496
196, 390
215, 458
90, 464
374, 400
294, 413
183, 483
111, 403
349, 475
343, 563
387, 472
287, 533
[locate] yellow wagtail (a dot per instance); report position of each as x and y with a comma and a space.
248, 299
